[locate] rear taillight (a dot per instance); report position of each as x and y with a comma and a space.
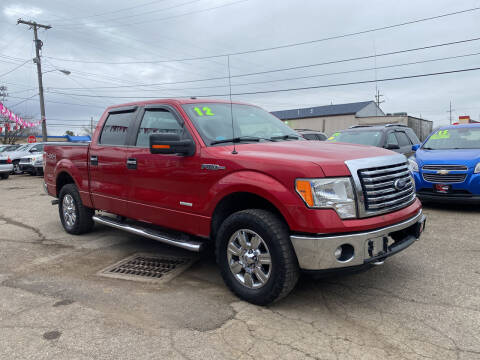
9, 161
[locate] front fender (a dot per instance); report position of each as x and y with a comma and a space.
267, 187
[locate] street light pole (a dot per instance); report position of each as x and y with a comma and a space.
38, 47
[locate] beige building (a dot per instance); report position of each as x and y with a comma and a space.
332, 118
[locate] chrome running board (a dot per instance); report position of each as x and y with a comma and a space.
150, 233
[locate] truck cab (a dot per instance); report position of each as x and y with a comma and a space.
193, 172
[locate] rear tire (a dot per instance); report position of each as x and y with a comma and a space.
5, 176
16, 168
75, 217
265, 268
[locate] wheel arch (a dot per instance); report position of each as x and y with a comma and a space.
238, 201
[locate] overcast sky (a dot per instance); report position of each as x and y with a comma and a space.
87, 35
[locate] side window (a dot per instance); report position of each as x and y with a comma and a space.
402, 138
116, 127
321, 137
37, 148
157, 121
413, 137
310, 136
391, 139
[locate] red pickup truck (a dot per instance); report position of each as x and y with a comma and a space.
191, 172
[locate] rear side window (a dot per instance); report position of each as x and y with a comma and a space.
321, 137
116, 127
403, 140
413, 137
310, 136
157, 121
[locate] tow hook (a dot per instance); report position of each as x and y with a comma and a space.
378, 263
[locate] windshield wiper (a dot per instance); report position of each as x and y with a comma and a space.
428, 148
285, 137
239, 139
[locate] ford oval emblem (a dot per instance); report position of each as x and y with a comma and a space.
400, 184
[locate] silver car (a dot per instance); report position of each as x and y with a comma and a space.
16, 155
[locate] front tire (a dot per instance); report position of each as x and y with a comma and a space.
256, 257
5, 176
76, 218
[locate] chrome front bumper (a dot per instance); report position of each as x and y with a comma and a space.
318, 252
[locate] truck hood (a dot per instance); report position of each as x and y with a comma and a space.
469, 157
330, 157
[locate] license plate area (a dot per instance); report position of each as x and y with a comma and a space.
377, 246
442, 188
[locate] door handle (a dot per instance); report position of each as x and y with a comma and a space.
93, 160
132, 163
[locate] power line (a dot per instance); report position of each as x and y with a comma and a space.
294, 67
174, 16
117, 11
61, 103
280, 46
288, 89
15, 68
283, 79
139, 14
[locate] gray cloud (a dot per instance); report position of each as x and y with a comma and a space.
166, 34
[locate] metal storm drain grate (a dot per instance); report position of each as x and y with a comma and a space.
148, 267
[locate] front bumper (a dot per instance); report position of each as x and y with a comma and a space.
318, 252
30, 167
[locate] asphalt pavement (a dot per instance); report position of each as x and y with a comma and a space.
423, 303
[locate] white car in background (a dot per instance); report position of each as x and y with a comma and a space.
6, 167
32, 164
16, 155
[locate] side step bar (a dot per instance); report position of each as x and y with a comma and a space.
151, 234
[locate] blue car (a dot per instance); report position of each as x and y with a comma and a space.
446, 167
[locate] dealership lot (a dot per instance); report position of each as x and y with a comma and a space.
423, 303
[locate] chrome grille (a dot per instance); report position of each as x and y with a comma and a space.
380, 192
445, 167
444, 178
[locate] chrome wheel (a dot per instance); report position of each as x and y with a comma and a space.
69, 210
249, 258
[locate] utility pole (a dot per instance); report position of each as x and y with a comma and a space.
91, 127
377, 98
450, 111
38, 46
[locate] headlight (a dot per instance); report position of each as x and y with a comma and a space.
477, 168
412, 165
333, 193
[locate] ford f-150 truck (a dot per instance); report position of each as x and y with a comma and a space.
191, 172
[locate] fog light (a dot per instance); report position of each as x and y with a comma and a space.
344, 253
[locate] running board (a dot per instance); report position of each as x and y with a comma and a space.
151, 234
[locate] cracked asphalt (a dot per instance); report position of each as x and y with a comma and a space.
424, 303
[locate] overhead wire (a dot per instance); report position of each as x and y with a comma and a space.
284, 45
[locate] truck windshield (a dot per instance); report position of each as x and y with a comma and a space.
251, 124
459, 138
372, 138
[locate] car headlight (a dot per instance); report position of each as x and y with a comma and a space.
412, 165
477, 168
333, 193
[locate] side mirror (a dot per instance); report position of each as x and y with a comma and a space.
392, 147
171, 144
415, 147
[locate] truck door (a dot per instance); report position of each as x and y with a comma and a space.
165, 189
107, 162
